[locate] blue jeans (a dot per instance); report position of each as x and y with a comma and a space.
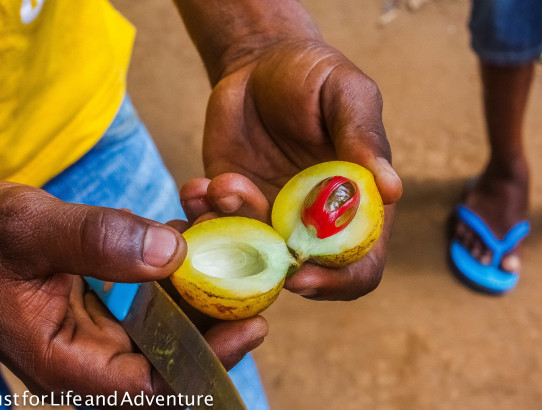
124, 170
507, 32
4, 390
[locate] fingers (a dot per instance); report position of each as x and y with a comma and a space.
113, 368
235, 194
349, 282
352, 107
76, 302
110, 355
199, 319
231, 341
388, 182
226, 194
193, 198
134, 374
179, 225
45, 235
100, 315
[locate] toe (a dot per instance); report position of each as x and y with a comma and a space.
468, 240
511, 263
476, 250
472, 243
485, 258
463, 235
460, 230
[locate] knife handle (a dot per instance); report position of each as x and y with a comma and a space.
118, 299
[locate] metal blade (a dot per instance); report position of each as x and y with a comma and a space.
177, 350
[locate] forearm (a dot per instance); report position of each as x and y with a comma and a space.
232, 33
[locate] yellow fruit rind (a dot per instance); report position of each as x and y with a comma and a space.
346, 246
226, 307
234, 298
351, 255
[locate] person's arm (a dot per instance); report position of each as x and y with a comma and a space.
284, 100
231, 33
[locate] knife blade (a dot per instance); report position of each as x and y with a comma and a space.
170, 341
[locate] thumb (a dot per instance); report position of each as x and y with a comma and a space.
352, 107
46, 235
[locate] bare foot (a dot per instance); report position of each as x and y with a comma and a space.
500, 198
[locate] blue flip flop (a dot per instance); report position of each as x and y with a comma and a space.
487, 278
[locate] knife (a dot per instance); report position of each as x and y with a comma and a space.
170, 341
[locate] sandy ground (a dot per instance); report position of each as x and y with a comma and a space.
421, 340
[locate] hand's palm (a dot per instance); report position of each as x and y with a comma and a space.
267, 123
299, 105
74, 334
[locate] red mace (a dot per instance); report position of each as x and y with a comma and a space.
330, 206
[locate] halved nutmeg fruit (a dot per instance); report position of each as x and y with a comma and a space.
234, 267
330, 214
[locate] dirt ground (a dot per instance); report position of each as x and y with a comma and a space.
421, 340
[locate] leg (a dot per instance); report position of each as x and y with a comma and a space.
507, 37
500, 196
506, 89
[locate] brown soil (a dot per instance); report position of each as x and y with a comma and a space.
421, 340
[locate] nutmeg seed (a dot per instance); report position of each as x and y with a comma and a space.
330, 206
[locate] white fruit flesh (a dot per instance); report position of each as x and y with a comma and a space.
233, 258
228, 260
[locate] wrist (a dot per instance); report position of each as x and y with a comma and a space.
230, 34
251, 50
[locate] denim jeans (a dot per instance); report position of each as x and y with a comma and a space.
124, 170
506, 32
4, 390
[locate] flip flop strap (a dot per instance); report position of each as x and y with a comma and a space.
513, 237
498, 246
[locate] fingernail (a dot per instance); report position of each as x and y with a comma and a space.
511, 263
386, 167
187, 203
255, 343
108, 286
159, 247
229, 204
308, 292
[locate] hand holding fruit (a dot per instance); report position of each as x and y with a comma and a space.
295, 105
57, 336
235, 267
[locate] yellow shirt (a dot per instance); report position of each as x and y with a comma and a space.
63, 67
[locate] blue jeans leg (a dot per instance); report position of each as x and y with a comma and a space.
506, 32
4, 391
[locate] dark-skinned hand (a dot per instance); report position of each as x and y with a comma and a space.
297, 104
57, 336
